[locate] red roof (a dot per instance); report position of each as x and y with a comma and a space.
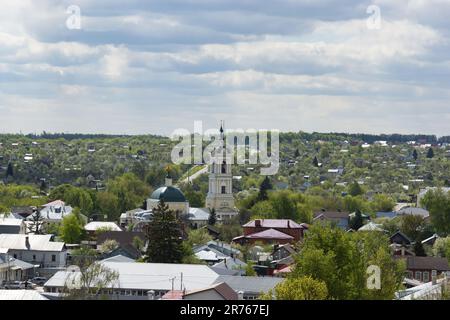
269, 234
276, 223
173, 295
286, 269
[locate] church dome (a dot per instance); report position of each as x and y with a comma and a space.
168, 194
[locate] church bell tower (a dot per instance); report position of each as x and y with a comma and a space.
220, 194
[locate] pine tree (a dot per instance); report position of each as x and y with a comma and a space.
164, 234
9, 170
430, 153
212, 217
415, 155
357, 221
315, 162
35, 225
263, 188
419, 250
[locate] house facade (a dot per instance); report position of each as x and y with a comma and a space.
38, 250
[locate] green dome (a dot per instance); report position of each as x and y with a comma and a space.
168, 194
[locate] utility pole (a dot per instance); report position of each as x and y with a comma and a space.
181, 282
173, 281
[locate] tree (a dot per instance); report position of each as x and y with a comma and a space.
37, 221
108, 204
198, 237
419, 250
412, 226
108, 246
138, 243
249, 270
164, 236
90, 278
297, 153
315, 162
212, 217
302, 288
263, 188
430, 153
438, 203
284, 205
130, 191
9, 170
415, 155
341, 259
357, 221
382, 202
441, 248
355, 189
71, 230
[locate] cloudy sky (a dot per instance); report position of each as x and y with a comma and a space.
142, 66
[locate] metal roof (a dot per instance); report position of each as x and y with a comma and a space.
254, 285
21, 295
269, 234
95, 225
152, 276
36, 242
275, 223
168, 194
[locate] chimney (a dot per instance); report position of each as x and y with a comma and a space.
241, 295
258, 223
151, 295
289, 224
27, 242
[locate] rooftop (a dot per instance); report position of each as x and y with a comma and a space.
95, 225
168, 194
276, 223
36, 242
269, 234
152, 276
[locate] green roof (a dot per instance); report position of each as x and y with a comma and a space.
168, 194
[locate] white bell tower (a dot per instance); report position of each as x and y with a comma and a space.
220, 194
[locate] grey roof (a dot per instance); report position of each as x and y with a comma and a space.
198, 214
252, 285
10, 222
21, 295
14, 263
118, 258
107, 225
151, 276
36, 242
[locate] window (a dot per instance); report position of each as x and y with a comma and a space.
34, 257
224, 189
53, 257
15, 256
426, 276
418, 275
224, 167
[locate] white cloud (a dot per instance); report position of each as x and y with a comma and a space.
309, 65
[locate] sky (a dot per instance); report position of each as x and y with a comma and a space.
153, 66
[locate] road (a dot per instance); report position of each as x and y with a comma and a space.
195, 175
